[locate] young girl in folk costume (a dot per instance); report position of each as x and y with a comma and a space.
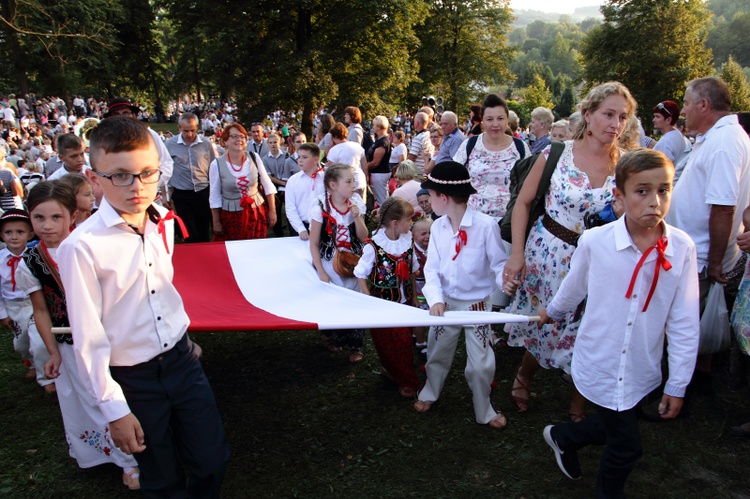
337, 229
386, 271
420, 233
52, 206
242, 195
85, 198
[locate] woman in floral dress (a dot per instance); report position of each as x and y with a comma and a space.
489, 164
491, 159
581, 185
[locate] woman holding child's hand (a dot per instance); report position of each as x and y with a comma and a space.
581, 187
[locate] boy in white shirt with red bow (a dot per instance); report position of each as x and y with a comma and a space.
465, 262
130, 325
641, 279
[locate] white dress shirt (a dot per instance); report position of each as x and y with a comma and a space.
124, 308
350, 153
618, 349
717, 173
214, 181
478, 268
61, 172
301, 192
6, 278
165, 160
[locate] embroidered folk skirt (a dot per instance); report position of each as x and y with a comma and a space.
251, 223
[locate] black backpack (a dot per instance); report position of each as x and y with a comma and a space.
367, 140
517, 175
473, 141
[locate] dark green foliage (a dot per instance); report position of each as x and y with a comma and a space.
656, 70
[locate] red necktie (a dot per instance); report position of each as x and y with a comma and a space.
161, 229
661, 262
461, 240
13, 264
314, 175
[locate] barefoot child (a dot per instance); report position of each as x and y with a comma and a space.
420, 234
641, 278
386, 271
52, 207
465, 263
84, 196
303, 188
15, 306
337, 229
129, 322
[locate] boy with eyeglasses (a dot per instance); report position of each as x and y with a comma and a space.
130, 324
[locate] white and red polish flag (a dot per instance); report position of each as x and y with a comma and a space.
270, 284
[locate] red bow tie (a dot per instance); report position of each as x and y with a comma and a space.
161, 229
661, 262
316, 172
461, 240
13, 264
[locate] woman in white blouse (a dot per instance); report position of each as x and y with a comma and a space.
242, 194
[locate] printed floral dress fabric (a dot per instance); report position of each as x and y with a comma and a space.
490, 176
569, 199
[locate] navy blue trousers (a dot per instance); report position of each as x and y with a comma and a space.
194, 210
619, 433
175, 405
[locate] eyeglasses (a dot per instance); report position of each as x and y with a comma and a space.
237, 137
662, 107
122, 179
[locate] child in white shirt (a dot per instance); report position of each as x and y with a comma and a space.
303, 188
465, 263
130, 325
618, 350
15, 306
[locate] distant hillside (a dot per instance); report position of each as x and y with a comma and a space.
526, 17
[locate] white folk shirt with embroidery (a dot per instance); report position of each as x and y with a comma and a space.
394, 248
125, 309
215, 197
478, 268
618, 349
343, 220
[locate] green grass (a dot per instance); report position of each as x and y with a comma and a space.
164, 127
303, 422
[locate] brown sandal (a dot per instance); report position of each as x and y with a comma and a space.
407, 392
521, 404
328, 344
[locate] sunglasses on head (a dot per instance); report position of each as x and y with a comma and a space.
662, 107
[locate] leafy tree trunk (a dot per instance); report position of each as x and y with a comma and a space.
196, 74
16, 54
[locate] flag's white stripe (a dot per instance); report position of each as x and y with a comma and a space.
277, 276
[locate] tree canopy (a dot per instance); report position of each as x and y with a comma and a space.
652, 46
381, 56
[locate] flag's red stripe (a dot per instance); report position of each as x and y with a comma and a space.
213, 301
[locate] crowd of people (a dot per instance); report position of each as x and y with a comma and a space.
615, 241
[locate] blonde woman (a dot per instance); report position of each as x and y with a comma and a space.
581, 185
408, 178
